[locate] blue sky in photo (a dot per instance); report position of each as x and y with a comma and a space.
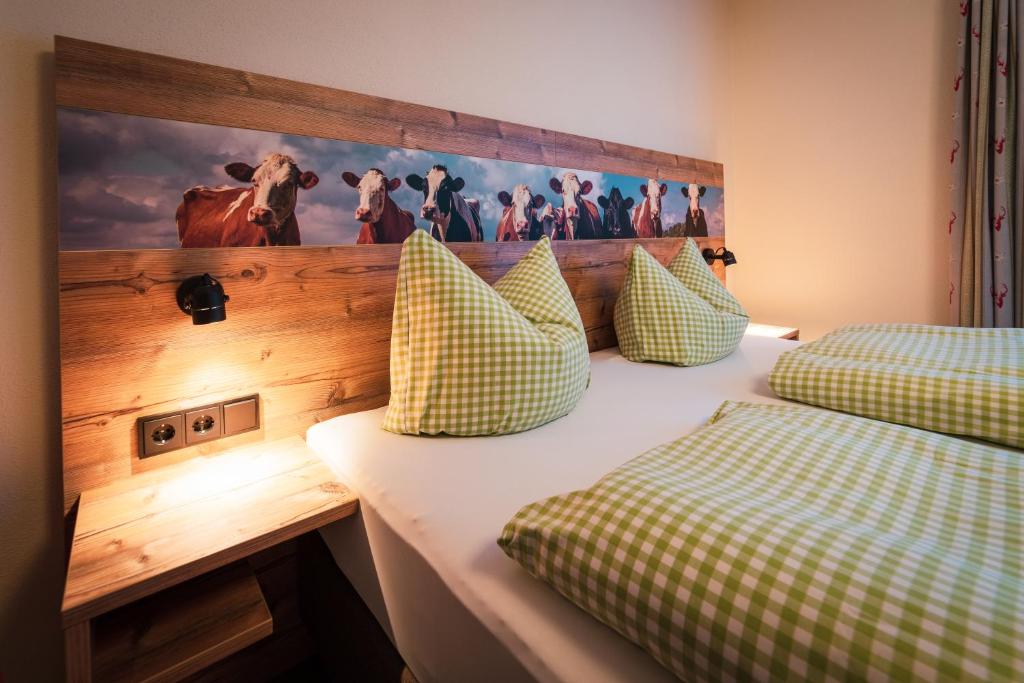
121, 179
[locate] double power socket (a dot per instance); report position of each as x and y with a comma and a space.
171, 431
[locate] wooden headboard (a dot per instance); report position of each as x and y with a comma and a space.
308, 328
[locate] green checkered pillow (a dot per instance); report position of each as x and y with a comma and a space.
469, 359
789, 543
955, 380
680, 315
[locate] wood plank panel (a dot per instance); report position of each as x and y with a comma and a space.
141, 535
277, 570
308, 329
270, 659
101, 77
182, 630
78, 652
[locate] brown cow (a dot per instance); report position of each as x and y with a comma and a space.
519, 221
263, 215
553, 221
647, 214
383, 221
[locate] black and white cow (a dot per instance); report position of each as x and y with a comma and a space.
618, 223
696, 225
452, 218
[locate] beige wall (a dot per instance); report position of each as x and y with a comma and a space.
505, 60
835, 157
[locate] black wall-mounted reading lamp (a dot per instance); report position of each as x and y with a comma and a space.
728, 258
202, 297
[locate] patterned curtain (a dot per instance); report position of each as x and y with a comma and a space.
986, 275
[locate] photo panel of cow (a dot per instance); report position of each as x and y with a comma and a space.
134, 182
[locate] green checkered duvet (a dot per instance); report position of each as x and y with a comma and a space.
793, 543
471, 359
681, 314
947, 379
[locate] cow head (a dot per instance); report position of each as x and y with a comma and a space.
694, 193
524, 205
553, 220
437, 189
373, 190
616, 213
547, 219
653, 191
572, 191
275, 182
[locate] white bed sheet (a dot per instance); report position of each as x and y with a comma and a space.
422, 552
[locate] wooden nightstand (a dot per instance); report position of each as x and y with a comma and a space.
157, 586
759, 330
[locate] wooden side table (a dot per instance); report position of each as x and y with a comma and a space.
777, 331
157, 588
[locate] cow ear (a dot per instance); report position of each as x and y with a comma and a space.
685, 189
350, 178
538, 201
308, 180
603, 201
394, 184
457, 184
586, 187
701, 189
628, 204
505, 198
556, 185
643, 190
664, 188
240, 171
414, 181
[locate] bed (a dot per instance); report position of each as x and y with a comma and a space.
423, 554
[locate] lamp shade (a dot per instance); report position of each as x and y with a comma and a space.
203, 298
728, 258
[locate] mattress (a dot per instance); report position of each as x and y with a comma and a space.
422, 552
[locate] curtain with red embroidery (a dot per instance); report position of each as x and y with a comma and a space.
986, 275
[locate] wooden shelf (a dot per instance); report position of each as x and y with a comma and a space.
777, 331
144, 597
143, 534
182, 630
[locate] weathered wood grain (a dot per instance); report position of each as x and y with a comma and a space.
180, 631
78, 652
105, 78
308, 329
277, 570
152, 531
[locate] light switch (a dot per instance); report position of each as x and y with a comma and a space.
161, 434
203, 424
241, 416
